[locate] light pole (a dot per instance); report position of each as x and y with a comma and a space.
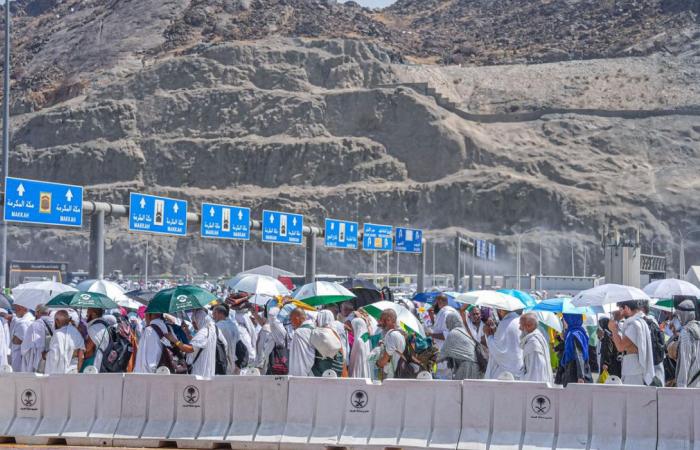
573, 271
5, 140
652, 244
518, 254
681, 257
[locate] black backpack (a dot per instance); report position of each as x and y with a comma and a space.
658, 347
221, 355
117, 355
241, 355
404, 368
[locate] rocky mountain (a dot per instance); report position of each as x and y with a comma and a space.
313, 106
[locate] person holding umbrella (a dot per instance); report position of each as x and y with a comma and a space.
635, 341
201, 351
573, 362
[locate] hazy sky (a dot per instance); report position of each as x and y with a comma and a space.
375, 3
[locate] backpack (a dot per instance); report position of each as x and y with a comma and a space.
279, 360
241, 355
171, 357
326, 341
221, 355
404, 368
117, 355
658, 347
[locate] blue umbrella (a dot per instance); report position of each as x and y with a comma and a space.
429, 297
527, 299
561, 305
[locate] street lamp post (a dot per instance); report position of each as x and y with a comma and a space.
5, 141
518, 254
573, 271
681, 257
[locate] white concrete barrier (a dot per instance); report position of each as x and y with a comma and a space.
508, 415
354, 413
324, 412
95, 408
7, 411
259, 411
679, 418
55, 410
619, 416
216, 414
190, 402
136, 400
28, 402
278, 412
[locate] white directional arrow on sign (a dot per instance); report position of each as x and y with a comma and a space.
294, 221
211, 211
332, 225
20, 189
272, 218
352, 227
69, 195
175, 208
240, 215
142, 203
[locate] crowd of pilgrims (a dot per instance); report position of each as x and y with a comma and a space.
628, 346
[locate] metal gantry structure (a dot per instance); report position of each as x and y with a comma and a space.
97, 211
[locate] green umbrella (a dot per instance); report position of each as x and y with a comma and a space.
78, 299
181, 298
323, 293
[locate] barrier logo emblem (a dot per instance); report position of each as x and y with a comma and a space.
541, 405
28, 398
191, 395
359, 399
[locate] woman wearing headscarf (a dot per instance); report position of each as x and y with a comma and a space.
359, 355
326, 319
573, 362
610, 358
201, 351
459, 350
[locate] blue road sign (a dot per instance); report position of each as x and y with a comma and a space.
159, 215
341, 234
377, 237
282, 228
478, 248
41, 202
492, 252
409, 240
225, 222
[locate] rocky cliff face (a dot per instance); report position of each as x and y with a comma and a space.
340, 128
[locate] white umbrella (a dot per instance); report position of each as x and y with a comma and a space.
491, 299
322, 293
669, 288
261, 287
111, 290
403, 315
606, 294
35, 293
549, 319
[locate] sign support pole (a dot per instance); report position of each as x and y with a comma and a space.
97, 246
310, 258
420, 281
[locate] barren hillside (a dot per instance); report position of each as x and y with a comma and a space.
196, 100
